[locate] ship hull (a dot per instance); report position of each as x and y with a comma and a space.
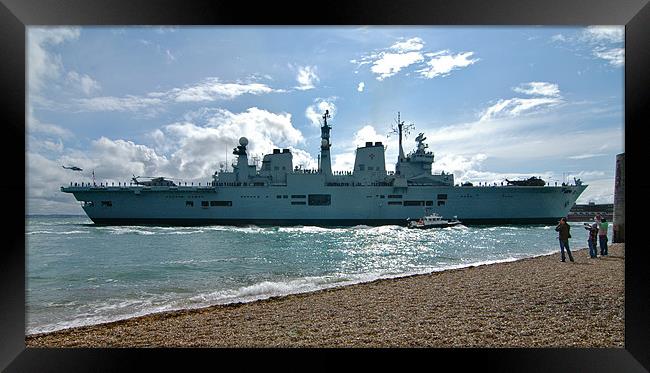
323, 205
308, 222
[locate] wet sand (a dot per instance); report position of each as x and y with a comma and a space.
537, 302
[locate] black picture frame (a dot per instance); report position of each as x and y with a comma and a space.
16, 15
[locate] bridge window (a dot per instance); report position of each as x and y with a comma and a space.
394, 203
320, 199
362, 167
430, 203
221, 203
189, 203
394, 196
107, 203
298, 202
441, 203
413, 203
298, 196
442, 196
205, 204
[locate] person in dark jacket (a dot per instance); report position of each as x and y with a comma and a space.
593, 237
564, 235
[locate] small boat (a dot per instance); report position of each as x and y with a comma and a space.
432, 221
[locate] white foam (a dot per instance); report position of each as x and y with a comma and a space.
127, 230
310, 229
50, 232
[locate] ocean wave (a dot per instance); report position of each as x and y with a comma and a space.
183, 232
361, 226
247, 229
310, 229
126, 230
51, 232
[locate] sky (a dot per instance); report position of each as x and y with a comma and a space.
493, 102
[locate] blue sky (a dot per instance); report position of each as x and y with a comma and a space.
494, 102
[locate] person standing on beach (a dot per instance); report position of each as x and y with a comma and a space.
593, 236
598, 218
602, 236
564, 235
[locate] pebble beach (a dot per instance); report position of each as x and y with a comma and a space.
533, 302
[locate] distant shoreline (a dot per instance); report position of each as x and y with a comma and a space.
531, 302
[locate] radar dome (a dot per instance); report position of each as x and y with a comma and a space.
323, 142
243, 141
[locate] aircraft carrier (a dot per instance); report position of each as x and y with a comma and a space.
277, 193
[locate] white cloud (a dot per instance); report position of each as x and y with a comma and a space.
599, 190
539, 88
518, 106
84, 82
413, 44
53, 146
443, 62
127, 103
36, 126
558, 37
117, 159
43, 65
367, 133
390, 61
597, 34
586, 174
586, 156
44, 176
604, 42
361, 86
165, 29
315, 111
344, 158
464, 168
343, 161
307, 77
200, 148
390, 64
44, 146
520, 140
170, 57
212, 89
548, 95
303, 159
615, 56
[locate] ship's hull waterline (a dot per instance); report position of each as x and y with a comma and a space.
324, 206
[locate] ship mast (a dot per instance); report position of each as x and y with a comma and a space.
325, 162
402, 130
399, 126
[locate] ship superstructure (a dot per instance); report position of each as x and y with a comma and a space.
280, 194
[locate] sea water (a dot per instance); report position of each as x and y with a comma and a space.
78, 273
